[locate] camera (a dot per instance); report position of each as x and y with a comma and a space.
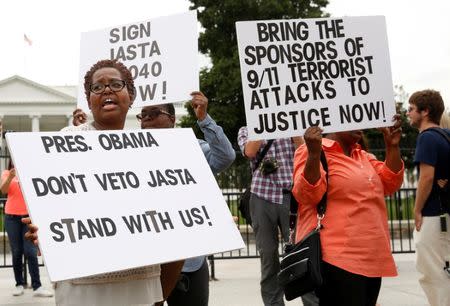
268, 166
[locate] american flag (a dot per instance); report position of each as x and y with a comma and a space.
27, 40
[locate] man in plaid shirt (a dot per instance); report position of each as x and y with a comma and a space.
269, 206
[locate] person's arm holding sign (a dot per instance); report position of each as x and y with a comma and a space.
313, 141
4, 185
79, 117
392, 136
217, 148
251, 148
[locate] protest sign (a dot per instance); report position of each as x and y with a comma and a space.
108, 201
330, 72
161, 53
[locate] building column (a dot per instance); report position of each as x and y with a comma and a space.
69, 119
35, 122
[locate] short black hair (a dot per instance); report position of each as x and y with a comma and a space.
124, 72
170, 108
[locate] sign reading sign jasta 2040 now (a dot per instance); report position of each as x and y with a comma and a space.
161, 54
330, 72
108, 201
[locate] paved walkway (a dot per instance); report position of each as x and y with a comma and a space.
238, 285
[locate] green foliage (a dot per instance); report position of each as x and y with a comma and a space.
375, 140
237, 177
222, 82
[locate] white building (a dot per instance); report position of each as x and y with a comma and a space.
28, 106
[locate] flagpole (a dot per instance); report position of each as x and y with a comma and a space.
28, 43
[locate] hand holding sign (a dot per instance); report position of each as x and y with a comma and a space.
79, 117
313, 141
393, 134
199, 103
31, 234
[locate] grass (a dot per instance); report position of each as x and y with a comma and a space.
404, 211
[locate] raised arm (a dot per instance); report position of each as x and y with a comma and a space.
217, 148
392, 137
313, 141
6, 181
79, 117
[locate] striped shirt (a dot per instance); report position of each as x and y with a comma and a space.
270, 187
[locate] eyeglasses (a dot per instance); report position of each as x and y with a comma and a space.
411, 108
152, 114
115, 85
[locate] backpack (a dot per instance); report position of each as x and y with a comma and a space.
444, 193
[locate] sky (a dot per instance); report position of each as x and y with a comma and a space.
418, 35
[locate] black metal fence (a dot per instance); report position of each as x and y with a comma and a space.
400, 221
233, 182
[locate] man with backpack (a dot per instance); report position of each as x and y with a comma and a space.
431, 208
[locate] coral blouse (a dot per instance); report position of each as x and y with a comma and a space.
355, 234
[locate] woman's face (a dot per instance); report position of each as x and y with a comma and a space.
109, 108
350, 137
156, 117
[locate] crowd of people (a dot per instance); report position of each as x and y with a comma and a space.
355, 237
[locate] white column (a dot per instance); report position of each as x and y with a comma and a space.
35, 122
69, 119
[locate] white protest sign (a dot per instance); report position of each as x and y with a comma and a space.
107, 201
331, 72
161, 53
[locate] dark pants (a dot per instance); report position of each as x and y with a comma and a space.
192, 288
267, 218
310, 299
19, 247
342, 288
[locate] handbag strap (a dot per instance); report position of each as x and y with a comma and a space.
321, 207
262, 154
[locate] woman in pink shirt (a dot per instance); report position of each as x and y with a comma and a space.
15, 210
355, 237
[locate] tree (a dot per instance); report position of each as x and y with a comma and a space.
222, 82
409, 134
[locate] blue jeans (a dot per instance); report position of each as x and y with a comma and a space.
19, 247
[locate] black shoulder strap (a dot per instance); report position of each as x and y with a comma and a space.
321, 207
440, 131
263, 153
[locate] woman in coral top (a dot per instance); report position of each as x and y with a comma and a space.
355, 237
15, 210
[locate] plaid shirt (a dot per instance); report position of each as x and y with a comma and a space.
270, 187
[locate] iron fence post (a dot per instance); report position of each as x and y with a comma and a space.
213, 268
